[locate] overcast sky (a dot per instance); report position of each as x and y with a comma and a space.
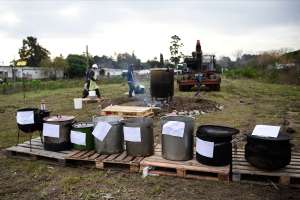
145, 27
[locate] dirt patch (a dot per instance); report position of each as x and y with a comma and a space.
179, 104
182, 104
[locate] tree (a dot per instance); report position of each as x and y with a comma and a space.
175, 46
77, 65
32, 52
60, 63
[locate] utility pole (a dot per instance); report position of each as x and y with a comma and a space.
87, 55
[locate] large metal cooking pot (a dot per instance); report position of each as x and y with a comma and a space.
138, 134
81, 136
57, 137
213, 144
268, 153
162, 83
175, 145
113, 142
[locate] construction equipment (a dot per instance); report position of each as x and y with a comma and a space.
199, 64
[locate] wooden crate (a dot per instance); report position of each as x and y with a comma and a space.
244, 172
36, 152
157, 165
104, 161
128, 111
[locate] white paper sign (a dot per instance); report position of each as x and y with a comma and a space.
174, 128
78, 138
25, 117
205, 148
132, 134
101, 130
92, 93
266, 131
51, 130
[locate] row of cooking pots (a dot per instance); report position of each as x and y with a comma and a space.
107, 133
213, 143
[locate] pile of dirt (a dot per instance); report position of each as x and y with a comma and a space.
187, 104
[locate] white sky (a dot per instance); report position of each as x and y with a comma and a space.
145, 27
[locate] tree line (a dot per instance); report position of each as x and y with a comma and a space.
75, 65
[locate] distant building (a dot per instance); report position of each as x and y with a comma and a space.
30, 72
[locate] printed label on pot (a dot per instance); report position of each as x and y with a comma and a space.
132, 134
51, 130
78, 138
205, 148
266, 131
174, 128
25, 117
101, 130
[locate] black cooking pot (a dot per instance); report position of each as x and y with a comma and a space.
221, 137
38, 120
29, 128
268, 153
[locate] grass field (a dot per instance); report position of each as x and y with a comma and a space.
246, 103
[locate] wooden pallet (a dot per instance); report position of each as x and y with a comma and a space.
242, 171
157, 165
36, 152
104, 161
128, 111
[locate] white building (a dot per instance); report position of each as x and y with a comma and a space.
30, 72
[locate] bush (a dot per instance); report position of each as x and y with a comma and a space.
247, 72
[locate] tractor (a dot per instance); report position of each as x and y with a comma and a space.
199, 64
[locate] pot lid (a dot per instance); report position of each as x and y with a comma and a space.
217, 131
281, 137
83, 125
59, 118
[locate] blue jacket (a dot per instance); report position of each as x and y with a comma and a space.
130, 77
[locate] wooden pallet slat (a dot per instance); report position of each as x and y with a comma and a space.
243, 171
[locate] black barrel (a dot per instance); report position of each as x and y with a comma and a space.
218, 140
162, 83
268, 153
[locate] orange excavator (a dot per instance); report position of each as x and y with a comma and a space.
199, 64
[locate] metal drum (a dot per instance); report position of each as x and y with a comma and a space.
57, 139
213, 144
113, 142
138, 134
81, 136
162, 83
177, 137
268, 153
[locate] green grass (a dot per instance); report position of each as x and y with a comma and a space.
245, 101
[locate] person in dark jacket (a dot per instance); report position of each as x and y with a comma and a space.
130, 80
90, 82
